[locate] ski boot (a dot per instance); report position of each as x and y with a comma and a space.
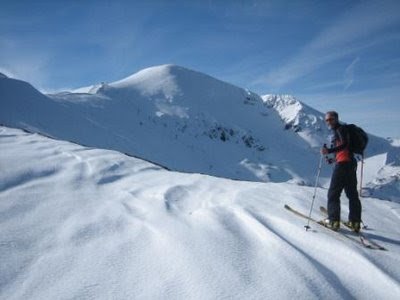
353, 225
334, 225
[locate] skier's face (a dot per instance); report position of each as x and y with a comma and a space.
330, 121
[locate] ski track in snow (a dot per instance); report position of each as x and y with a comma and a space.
87, 223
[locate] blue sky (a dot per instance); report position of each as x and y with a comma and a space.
342, 55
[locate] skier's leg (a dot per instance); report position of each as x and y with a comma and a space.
350, 189
335, 189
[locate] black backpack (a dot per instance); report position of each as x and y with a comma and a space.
358, 139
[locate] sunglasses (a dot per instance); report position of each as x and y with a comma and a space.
329, 119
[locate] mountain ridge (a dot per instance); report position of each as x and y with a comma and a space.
184, 120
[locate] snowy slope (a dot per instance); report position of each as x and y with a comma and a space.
382, 164
395, 142
382, 176
92, 89
85, 223
179, 118
307, 122
191, 122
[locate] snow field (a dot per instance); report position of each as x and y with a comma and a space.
86, 223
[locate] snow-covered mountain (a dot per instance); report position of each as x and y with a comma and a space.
85, 223
382, 163
189, 121
307, 122
182, 119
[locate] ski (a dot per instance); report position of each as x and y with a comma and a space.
338, 233
362, 237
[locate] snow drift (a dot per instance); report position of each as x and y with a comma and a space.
87, 223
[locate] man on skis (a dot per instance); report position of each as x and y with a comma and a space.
344, 175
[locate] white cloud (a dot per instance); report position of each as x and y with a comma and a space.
346, 36
348, 77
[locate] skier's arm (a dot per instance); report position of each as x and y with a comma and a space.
343, 138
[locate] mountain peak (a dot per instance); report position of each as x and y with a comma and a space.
283, 101
173, 82
287, 106
152, 73
3, 76
299, 117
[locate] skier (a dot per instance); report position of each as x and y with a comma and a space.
344, 176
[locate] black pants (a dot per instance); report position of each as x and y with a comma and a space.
344, 177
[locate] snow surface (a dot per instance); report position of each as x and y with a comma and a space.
85, 223
92, 89
306, 121
189, 121
382, 177
395, 142
182, 119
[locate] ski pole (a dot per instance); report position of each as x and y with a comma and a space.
315, 192
362, 174
361, 180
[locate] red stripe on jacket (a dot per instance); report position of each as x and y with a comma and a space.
343, 155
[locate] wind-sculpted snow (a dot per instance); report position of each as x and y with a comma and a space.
85, 223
